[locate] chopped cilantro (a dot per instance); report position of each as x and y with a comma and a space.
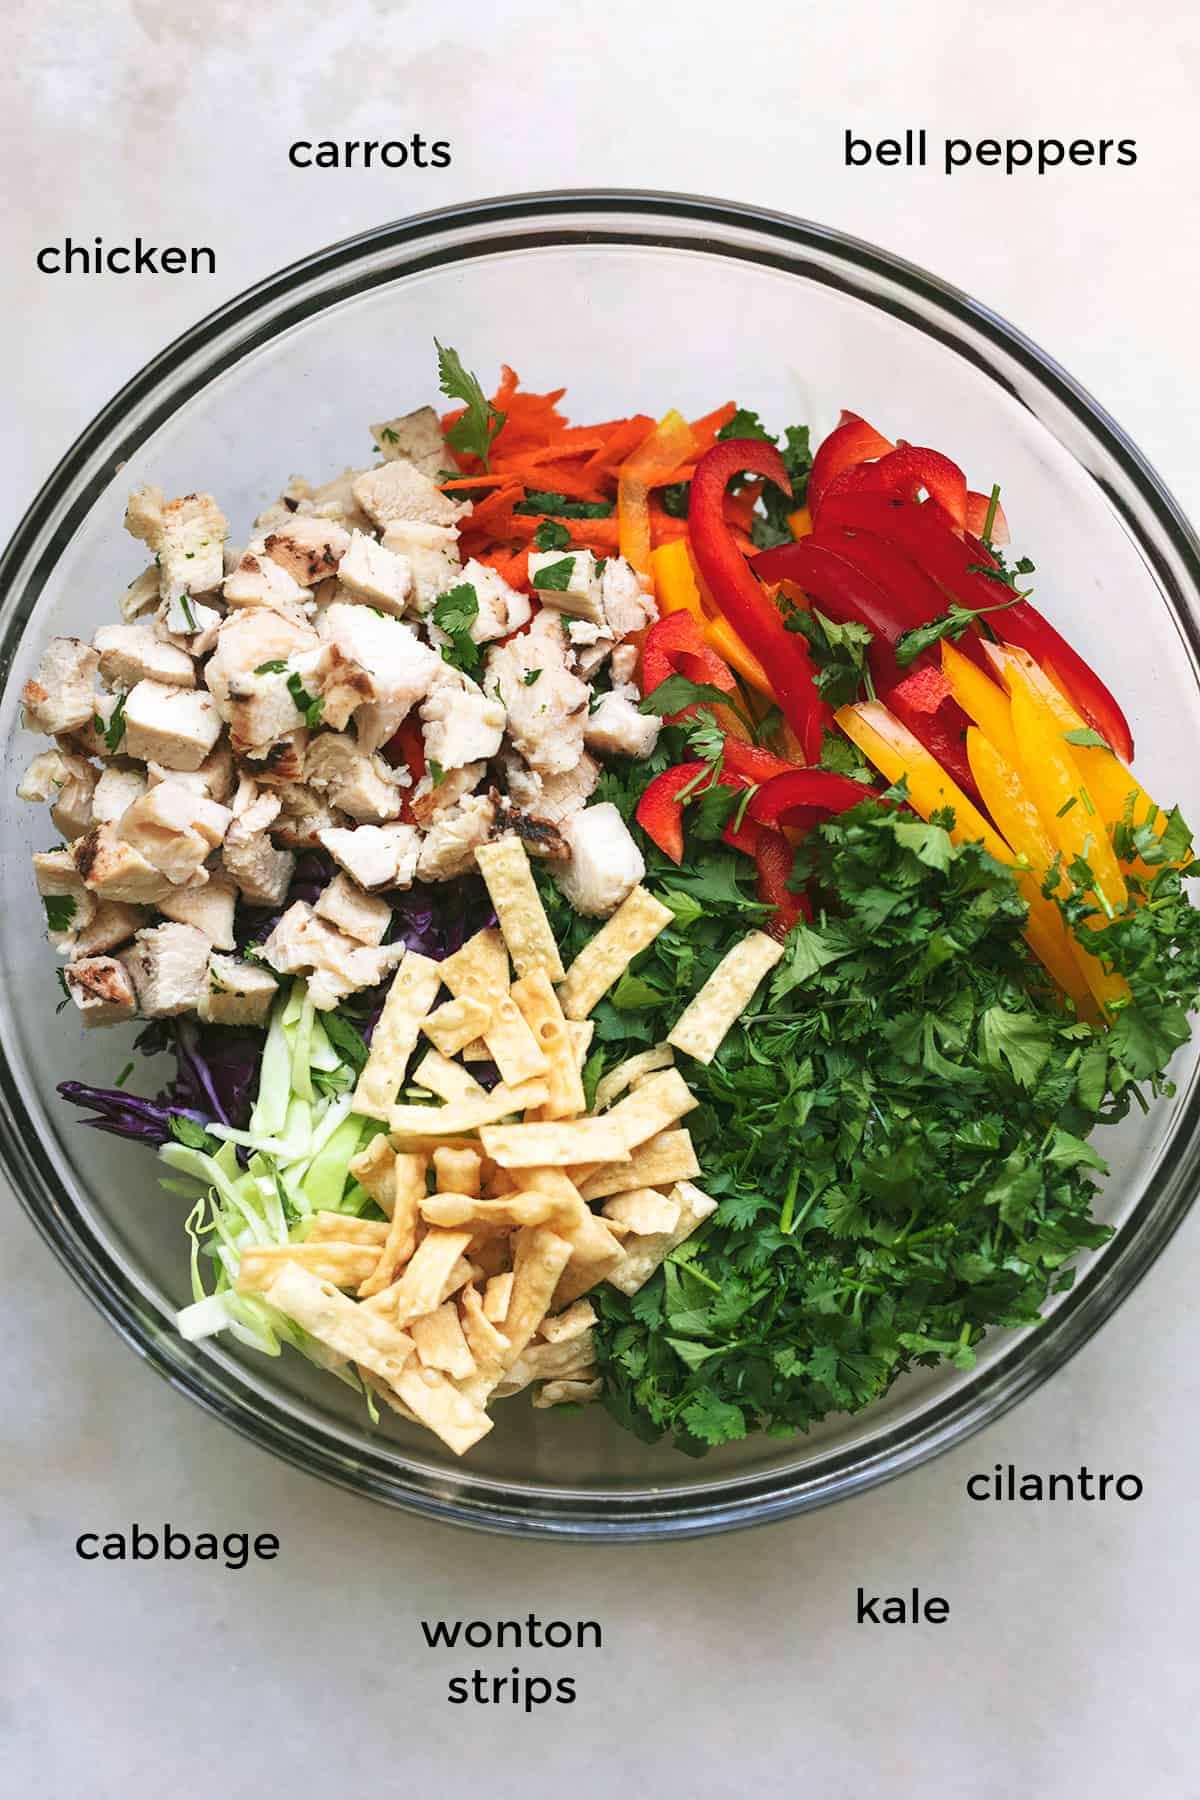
537, 500
276, 666
311, 708
1086, 739
114, 731
550, 535
454, 612
60, 911
188, 614
950, 624
530, 676
555, 578
123, 1077
436, 773
839, 653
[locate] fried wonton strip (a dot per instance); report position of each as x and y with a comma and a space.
504, 866
645, 1211
346, 1327
448, 1080
346, 1228
441, 1344
635, 924
559, 1144
457, 1211
701, 1026
582, 1031
512, 1046
455, 1023
542, 1362
487, 1345
559, 1328
457, 1171
477, 1051
437, 1403
422, 1287
479, 971
496, 1296
594, 1252
345, 1264
538, 1002
564, 1391
408, 1190
410, 998
650, 1108
645, 1254
669, 1156
539, 1258
458, 1117
374, 1168
610, 1087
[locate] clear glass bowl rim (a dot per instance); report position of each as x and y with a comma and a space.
174, 376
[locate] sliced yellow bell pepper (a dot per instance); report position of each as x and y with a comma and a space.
800, 523
1009, 802
982, 700
1109, 783
675, 580
658, 454
895, 752
1061, 795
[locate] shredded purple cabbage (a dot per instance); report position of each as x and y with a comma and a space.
216, 1066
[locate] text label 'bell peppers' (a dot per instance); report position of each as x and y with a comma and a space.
738, 595
926, 533
851, 441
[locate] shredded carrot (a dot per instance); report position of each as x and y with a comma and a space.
704, 431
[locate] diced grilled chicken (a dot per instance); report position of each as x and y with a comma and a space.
304, 815
431, 552
502, 609
142, 595
375, 856
399, 491
414, 437
377, 576
333, 964
362, 916
431, 797
262, 872
360, 784
237, 992
617, 728
168, 965
546, 704
627, 605
187, 625
113, 870
176, 829
187, 536
579, 594
461, 725
69, 783
61, 696
400, 669
214, 777
175, 726
455, 835
551, 798
113, 924
258, 580
70, 904
606, 865
102, 990
132, 653
307, 549
209, 908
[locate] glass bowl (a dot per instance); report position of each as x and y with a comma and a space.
636, 301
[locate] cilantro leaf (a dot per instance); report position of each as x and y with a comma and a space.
839, 653
474, 432
346, 1039
275, 666
951, 624
312, 708
455, 612
550, 535
537, 500
745, 424
1019, 1039
114, 731
1086, 738
60, 910
555, 578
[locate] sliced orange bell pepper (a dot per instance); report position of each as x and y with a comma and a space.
800, 523
661, 452
982, 700
675, 581
726, 642
1008, 800
895, 752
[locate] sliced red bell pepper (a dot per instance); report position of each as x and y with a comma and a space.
753, 762
407, 748
850, 442
900, 578
775, 857
922, 700
823, 789
676, 646
923, 532
738, 595
660, 810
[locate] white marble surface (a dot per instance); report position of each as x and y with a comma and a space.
732, 1665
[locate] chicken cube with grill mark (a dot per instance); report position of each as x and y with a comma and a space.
114, 870
168, 965
333, 965
432, 796
209, 908
113, 924
551, 798
61, 696
101, 990
307, 549
502, 609
70, 904
258, 580
400, 669
69, 782
546, 704
187, 536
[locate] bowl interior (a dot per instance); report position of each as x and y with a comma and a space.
627, 316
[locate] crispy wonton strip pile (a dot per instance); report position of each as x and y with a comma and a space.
503, 1210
